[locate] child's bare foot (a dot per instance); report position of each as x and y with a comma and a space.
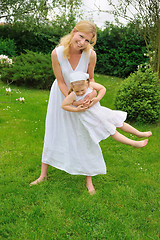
91, 189
140, 144
144, 134
40, 179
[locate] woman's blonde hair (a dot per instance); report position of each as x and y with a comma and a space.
81, 82
84, 27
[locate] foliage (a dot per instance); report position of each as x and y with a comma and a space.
30, 69
146, 14
7, 47
42, 41
28, 11
66, 13
139, 96
119, 50
35, 13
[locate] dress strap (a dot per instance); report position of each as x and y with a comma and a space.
59, 51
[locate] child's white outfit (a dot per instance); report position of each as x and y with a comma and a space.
99, 121
68, 145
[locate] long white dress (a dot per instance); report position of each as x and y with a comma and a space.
99, 121
67, 144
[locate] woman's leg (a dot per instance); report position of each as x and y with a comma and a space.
122, 139
128, 128
89, 185
43, 175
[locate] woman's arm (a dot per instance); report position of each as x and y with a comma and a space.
58, 73
101, 92
66, 104
91, 65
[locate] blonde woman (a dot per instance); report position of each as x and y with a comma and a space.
65, 147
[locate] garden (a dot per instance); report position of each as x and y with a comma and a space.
126, 203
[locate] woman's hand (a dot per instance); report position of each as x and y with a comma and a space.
77, 103
93, 101
88, 100
81, 108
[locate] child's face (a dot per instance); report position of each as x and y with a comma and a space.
80, 89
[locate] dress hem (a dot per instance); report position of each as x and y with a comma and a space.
83, 174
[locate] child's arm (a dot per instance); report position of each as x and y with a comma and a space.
66, 104
101, 92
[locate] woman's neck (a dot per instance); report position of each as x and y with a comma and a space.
73, 51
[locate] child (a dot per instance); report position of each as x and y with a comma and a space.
99, 121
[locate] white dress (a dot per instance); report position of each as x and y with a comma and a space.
67, 144
99, 121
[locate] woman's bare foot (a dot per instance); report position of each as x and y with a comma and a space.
91, 189
40, 179
140, 144
144, 134
89, 185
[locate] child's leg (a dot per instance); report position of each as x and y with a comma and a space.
43, 175
121, 138
128, 128
89, 185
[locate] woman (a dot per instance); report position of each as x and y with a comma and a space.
64, 145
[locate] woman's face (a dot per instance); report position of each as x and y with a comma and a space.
80, 40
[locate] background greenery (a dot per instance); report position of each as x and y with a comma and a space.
139, 96
30, 69
120, 49
126, 205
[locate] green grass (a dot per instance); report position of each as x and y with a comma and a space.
126, 203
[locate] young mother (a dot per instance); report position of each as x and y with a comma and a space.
67, 144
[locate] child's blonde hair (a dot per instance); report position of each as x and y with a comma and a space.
81, 82
84, 27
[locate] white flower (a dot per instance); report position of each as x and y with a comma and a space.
8, 91
5, 60
10, 61
21, 99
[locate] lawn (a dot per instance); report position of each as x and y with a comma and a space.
126, 205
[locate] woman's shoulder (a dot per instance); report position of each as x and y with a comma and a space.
92, 54
92, 58
57, 53
57, 50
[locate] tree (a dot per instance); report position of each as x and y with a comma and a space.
33, 12
23, 10
66, 13
146, 15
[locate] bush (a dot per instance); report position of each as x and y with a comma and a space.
44, 39
139, 96
31, 70
7, 47
120, 49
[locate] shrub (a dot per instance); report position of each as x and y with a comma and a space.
44, 39
139, 96
7, 47
31, 70
120, 49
